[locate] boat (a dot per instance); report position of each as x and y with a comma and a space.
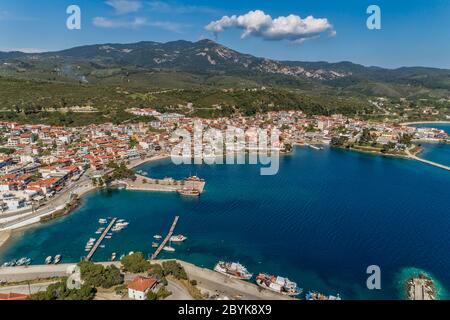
99, 230
312, 295
278, 284
169, 249
113, 256
157, 236
108, 237
57, 259
102, 221
155, 245
188, 192
233, 269
6, 264
48, 260
194, 179
121, 257
102, 246
178, 238
23, 261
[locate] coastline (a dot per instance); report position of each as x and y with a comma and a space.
423, 122
81, 192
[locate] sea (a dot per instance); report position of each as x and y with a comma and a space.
321, 221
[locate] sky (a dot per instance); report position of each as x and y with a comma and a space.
413, 32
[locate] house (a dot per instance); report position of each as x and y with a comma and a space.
140, 286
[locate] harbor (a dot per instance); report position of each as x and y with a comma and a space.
102, 237
270, 231
166, 239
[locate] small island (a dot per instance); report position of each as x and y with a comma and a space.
421, 287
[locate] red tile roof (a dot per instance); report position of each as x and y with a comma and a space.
13, 296
142, 284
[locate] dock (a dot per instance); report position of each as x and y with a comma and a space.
166, 239
434, 164
99, 241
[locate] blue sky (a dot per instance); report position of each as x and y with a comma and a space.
414, 32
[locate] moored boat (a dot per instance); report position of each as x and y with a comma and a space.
155, 245
169, 249
278, 284
178, 238
312, 295
233, 269
113, 256
189, 192
57, 259
48, 260
157, 236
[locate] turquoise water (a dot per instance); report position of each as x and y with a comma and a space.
320, 221
437, 152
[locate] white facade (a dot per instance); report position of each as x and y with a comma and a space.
137, 295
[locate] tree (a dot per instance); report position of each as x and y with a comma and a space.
96, 275
151, 295
135, 263
175, 269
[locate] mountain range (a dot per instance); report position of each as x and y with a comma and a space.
184, 64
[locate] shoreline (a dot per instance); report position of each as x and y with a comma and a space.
423, 122
6, 235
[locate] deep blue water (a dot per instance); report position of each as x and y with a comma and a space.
320, 221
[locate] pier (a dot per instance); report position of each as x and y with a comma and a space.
166, 239
99, 241
434, 164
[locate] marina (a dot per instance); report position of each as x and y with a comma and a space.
318, 203
99, 241
166, 239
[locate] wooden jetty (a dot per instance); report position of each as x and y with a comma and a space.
99, 241
166, 239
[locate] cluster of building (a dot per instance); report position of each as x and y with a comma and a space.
37, 161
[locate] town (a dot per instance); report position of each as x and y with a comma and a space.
44, 168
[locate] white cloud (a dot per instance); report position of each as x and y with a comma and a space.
135, 23
125, 6
257, 23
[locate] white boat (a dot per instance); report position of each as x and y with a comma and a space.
157, 236
108, 237
57, 259
178, 238
233, 269
278, 284
113, 256
48, 260
169, 249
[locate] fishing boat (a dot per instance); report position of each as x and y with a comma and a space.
157, 236
233, 269
312, 295
278, 284
57, 259
48, 260
178, 238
